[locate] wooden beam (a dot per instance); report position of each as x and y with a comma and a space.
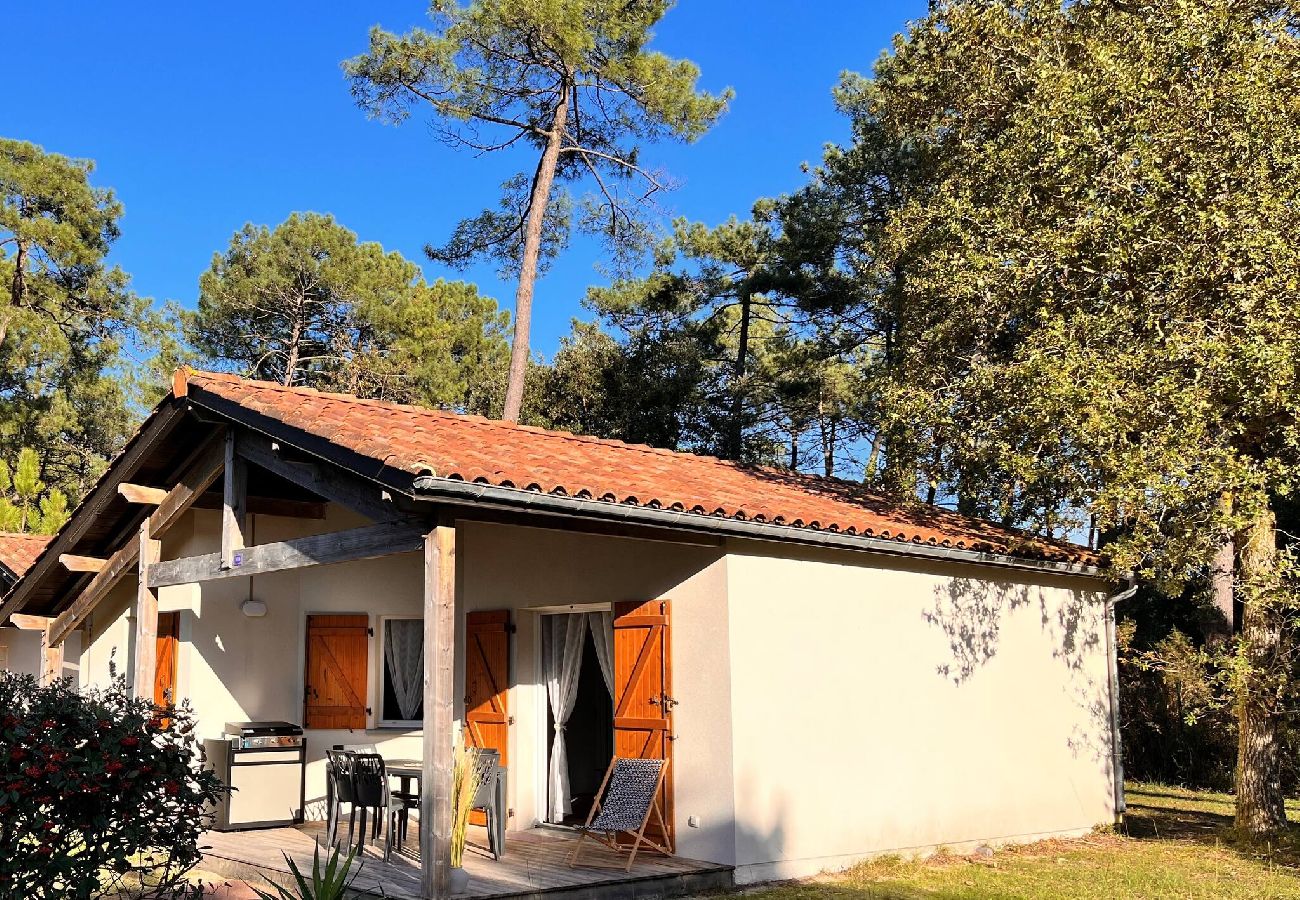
81, 563
25, 622
325, 481
146, 617
234, 503
151, 435
194, 482
138, 493
51, 658
366, 542
439, 658
269, 506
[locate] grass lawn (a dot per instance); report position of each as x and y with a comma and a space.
1174, 843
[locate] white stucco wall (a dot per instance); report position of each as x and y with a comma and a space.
887, 707
832, 705
522, 569
235, 668
20, 651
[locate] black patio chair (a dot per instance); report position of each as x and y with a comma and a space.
340, 788
627, 798
373, 793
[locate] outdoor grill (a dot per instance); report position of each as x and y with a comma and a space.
264, 764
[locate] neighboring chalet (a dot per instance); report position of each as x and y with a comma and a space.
833, 675
20, 650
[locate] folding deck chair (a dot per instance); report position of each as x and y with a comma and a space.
625, 808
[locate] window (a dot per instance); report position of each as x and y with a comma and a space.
401, 645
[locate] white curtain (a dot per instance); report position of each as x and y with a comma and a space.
404, 655
602, 633
562, 664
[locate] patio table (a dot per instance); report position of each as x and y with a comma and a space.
409, 770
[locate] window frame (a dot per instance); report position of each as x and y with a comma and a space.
380, 672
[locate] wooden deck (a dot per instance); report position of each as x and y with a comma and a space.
535, 866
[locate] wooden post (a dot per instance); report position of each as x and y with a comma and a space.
146, 617
234, 503
439, 654
51, 658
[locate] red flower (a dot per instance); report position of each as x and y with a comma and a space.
51, 768
44, 850
114, 767
129, 741
49, 723
105, 725
172, 787
33, 771
17, 753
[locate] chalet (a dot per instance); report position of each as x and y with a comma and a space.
833, 675
20, 649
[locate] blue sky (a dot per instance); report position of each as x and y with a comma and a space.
204, 116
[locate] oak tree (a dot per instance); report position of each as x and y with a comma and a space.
1099, 315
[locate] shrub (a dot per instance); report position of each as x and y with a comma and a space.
331, 883
1175, 712
99, 792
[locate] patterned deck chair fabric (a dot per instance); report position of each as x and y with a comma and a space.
628, 797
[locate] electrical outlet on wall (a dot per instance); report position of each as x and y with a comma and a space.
693, 821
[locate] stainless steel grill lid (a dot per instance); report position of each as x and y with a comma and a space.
259, 729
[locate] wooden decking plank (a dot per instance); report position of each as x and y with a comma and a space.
535, 863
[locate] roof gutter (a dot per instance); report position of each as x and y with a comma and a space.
456, 491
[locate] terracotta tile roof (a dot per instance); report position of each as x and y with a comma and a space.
19, 551
420, 441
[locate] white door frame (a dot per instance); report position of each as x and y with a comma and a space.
541, 773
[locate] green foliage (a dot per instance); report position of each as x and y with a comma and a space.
66, 319
1079, 256
27, 504
1177, 724
762, 380
280, 303
330, 883
96, 788
441, 345
306, 303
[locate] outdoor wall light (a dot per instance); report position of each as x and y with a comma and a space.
254, 609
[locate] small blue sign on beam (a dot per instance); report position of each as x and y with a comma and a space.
238, 559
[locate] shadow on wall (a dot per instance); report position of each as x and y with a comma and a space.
972, 612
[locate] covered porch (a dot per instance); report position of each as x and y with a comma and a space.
535, 865
221, 541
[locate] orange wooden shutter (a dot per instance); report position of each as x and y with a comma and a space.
487, 685
335, 694
164, 681
643, 700
487, 663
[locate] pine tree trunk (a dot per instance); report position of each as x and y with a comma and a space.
736, 439
538, 200
1259, 746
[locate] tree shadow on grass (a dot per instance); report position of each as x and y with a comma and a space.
1157, 822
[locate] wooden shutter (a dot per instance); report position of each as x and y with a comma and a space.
643, 699
487, 685
335, 692
487, 664
164, 679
